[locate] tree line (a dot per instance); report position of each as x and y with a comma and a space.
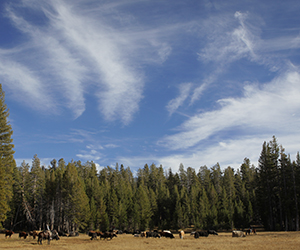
76, 196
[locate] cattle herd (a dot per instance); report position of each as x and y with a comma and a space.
53, 234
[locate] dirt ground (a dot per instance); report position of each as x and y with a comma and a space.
224, 241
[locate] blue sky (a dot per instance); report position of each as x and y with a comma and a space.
165, 82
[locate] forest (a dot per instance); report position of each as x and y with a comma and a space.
75, 196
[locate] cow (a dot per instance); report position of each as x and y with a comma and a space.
212, 232
137, 235
200, 234
99, 233
92, 234
237, 233
107, 235
251, 230
181, 234
152, 234
167, 235
23, 234
9, 233
34, 234
47, 235
143, 234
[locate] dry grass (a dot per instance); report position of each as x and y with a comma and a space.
263, 240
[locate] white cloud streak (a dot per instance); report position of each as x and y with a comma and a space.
174, 104
78, 49
258, 110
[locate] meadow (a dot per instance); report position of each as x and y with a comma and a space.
224, 241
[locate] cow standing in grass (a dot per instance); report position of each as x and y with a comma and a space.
200, 234
23, 234
181, 234
8, 233
167, 235
47, 235
152, 234
237, 233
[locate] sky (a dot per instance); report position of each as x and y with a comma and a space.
136, 82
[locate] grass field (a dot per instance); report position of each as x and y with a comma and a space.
224, 241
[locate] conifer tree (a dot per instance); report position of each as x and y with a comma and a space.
7, 162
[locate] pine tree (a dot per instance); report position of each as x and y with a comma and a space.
76, 202
7, 162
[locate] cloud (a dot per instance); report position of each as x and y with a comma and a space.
258, 110
24, 84
60, 69
79, 48
174, 104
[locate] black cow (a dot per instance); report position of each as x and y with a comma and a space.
212, 232
23, 234
200, 234
8, 233
152, 234
47, 235
92, 234
167, 235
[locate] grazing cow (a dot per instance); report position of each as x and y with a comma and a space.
237, 233
23, 234
137, 235
47, 235
212, 232
200, 234
107, 235
8, 233
92, 234
167, 235
181, 234
34, 234
251, 230
152, 234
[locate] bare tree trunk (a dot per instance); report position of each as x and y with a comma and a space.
52, 215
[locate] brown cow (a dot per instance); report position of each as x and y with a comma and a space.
23, 234
181, 234
34, 234
47, 235
8, 233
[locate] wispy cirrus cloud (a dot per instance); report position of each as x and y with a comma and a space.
174, 104
79, 48
257, 110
